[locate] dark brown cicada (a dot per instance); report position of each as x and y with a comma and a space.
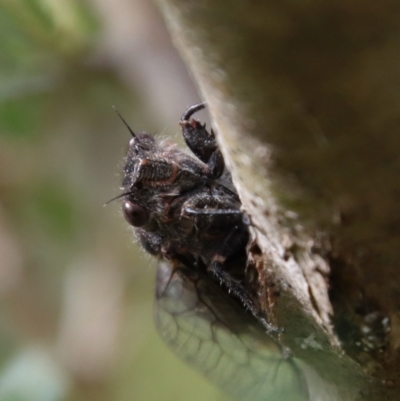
186, 212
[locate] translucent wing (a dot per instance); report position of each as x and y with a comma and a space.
210, 331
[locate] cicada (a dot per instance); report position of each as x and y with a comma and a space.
185, 211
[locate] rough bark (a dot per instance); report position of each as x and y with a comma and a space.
305, 97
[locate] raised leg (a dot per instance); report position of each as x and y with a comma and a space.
201, 142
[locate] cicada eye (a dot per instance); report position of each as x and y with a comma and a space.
134, 214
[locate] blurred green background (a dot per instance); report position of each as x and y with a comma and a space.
76, 292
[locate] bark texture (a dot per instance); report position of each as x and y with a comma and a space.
305, 97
